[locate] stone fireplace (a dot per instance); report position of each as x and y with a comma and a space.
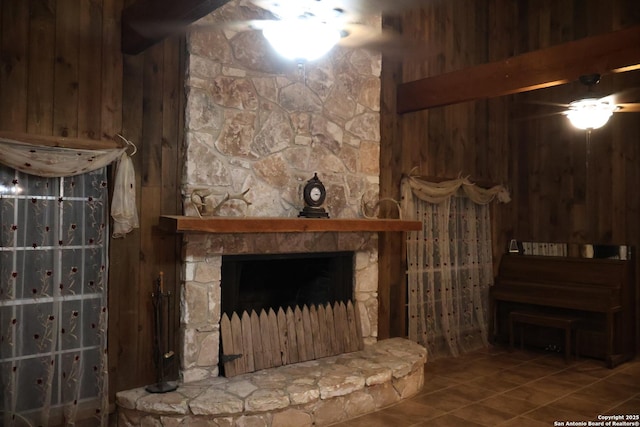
257, 125
201, 299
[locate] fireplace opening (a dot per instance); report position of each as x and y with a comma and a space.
272, 281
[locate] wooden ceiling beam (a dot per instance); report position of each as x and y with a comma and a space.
612, 52
147, 22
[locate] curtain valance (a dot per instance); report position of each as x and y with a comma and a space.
54, 162
438, 192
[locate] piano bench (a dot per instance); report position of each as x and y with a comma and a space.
567, 323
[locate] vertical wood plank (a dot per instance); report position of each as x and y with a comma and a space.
333, 347
127, 291
172, 114
265, 337
301, 335
13, 73
308, 330
65, 111
342, 329
247, 343
318, 351
283, 336
256, 338
41, 67
111, 93
324, 332
152, 125
294, 356
90, 70
355, 337
239, 364
274, 336
226, 338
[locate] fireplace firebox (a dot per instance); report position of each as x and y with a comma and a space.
272, 281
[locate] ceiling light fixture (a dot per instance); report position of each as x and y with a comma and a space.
590, 113
302, 39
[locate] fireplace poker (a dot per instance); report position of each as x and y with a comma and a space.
162, 357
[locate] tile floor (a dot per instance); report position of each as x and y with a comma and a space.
495, 387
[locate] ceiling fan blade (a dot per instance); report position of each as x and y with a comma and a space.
628, 108
547, 103
358, 35
539, 116
627, 96
386, 7
390, 43
248, 25
203, 25
346, 10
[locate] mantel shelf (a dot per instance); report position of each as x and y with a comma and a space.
221, 225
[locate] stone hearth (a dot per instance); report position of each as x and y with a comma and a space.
314, 393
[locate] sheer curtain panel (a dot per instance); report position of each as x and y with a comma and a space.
53, 296
449, 263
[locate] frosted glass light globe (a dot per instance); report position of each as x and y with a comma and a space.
302, 39
590, 113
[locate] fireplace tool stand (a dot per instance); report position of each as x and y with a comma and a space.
163, 358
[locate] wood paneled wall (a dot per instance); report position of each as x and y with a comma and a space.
557, 195
62, 73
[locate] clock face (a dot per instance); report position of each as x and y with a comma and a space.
315, 194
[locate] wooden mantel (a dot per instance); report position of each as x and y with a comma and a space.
221, 225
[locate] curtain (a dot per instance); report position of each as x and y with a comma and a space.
53, 298
449, 264
54, 161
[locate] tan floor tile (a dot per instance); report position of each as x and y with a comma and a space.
535, 370
630, 407
553, 361
580, 406
375, 419
605, 391
433, 382
413, 412
481, 414
444, 400
594, 368
458, 374
515, 375
549, 414
471, 392
448, 420
553, 386
509, 404
491, 382
624, 379
580, 379
632, 367
524, 422
530, 394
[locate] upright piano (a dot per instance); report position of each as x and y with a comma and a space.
599, 291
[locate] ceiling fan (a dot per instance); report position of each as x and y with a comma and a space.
593, 111
305, 30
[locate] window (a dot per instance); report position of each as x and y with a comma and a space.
53, 294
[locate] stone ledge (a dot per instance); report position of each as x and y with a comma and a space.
318, 392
